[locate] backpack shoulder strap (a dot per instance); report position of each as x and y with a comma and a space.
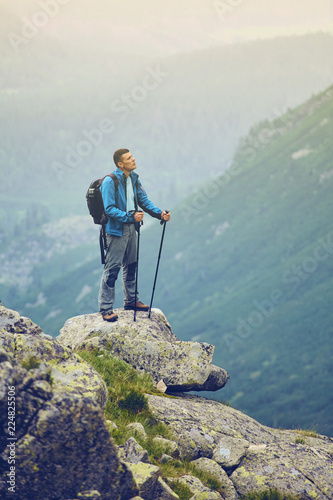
115, 180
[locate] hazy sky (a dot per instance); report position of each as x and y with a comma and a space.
174, 25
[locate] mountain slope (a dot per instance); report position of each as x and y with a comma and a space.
248, 266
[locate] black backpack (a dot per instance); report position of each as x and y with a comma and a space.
96, 209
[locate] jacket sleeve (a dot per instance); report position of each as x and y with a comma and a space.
108, 193
147, 205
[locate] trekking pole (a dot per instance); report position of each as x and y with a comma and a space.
137, 269
163, 222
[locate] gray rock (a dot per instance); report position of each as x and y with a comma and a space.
164, 492
133, 453
171, 447
165, 458
146, 479
7, 342
149, 345
298, 469
230, 450
25, 341
81, 329
216, 378
12, 322
137, 429
111, 425
270, 457
49, 337
63, 443
199, 424
215, 470
63, 446
4, 355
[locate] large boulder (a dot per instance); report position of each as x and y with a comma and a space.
302, 469
255, 457
54, 445
25, 340
151, 486
149, 345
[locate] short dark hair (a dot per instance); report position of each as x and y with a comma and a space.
118, 154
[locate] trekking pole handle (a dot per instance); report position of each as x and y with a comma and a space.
140, 223
164, 221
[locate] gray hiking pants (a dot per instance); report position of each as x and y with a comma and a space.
121, 252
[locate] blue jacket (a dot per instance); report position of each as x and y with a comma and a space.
115, 202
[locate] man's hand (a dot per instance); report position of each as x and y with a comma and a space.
165, 215
138, 216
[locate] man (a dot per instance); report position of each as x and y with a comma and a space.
121, 206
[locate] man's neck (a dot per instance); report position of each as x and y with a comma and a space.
125, 172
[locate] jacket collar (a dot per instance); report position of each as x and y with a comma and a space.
120, 174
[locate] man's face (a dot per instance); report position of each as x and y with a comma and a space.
127, 163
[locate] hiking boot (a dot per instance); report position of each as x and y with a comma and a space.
139, 307
110, 317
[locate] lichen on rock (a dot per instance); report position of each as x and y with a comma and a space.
149, 345
255, 457
26, 342
62, 444
64, 449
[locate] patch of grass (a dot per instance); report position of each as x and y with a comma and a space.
30, 363
307, 433
226, 403
179, 468
182, 490
269, 495
300, 440
127, 401
134, 402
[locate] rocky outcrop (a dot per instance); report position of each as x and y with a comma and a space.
29, 346
54, 439
255, 457
149, 345
61, 444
